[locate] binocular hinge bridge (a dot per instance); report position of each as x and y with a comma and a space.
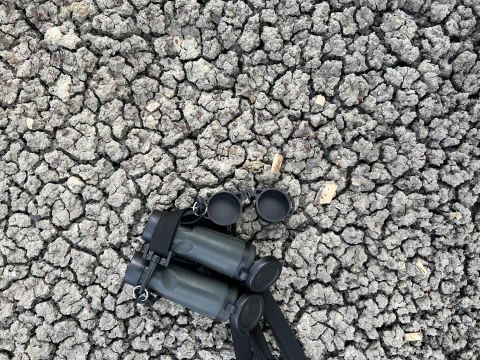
242, 275
230, 308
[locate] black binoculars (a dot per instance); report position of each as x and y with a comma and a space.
210, 296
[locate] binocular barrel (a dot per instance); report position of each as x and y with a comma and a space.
220, 252
228, 255
211, 297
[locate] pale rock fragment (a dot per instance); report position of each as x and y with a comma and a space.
416, 336
356, 182
189, 49
326, 194
55, 37
150, 122
63, 87
253, 165
320, 100
30, 123
153, 106
421, 267
277, 163
80, 11
75, 184
168, 93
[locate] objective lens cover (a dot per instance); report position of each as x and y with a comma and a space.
263, 274
248, 313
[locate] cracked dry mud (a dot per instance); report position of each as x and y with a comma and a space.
113, 108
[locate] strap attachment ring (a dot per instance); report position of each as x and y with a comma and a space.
196, 207
145, 294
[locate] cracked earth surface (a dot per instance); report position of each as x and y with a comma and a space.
113, 108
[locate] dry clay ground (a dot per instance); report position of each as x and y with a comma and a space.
112, 108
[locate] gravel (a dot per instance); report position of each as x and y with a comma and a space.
110, 109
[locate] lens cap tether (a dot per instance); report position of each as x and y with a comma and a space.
263, 274
248, 312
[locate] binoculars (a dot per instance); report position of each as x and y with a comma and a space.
210, 296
